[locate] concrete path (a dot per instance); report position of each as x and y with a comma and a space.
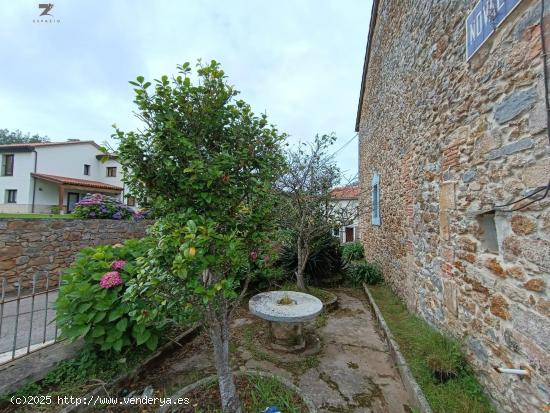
353, 372
42, 323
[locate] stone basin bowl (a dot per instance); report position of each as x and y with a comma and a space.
304, 307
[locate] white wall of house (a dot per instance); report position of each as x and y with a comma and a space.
102, 170
69, 160
20, 181
347, 207
60, 160
46, 196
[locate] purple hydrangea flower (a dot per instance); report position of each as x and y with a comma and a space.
110, 279
118, 265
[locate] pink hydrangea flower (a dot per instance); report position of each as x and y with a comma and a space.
118, 265
110, 279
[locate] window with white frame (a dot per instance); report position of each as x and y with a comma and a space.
375, 188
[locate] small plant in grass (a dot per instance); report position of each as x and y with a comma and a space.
445, 359
55, 210
258, 394
91, 305
268, 391
352, 251
285, 300
360, 272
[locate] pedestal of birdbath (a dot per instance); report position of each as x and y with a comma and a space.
286, 312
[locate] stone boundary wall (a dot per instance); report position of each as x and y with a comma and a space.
47, 246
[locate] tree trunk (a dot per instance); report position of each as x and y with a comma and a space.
302, 261
218, 330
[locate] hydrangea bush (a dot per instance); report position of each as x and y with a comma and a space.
91, 302
99, 206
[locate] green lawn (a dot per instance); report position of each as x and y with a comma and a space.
36, 216
427, 350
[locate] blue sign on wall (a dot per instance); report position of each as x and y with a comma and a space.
483, 20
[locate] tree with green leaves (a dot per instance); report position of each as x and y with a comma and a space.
206, 165
9, 137
307, 211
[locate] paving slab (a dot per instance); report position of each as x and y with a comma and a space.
356, 362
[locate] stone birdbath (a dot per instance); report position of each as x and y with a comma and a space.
286, 312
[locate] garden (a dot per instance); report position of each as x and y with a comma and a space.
239, 299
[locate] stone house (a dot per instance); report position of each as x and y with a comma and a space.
453, 130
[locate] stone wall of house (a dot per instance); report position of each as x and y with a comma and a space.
450, 139
43, 247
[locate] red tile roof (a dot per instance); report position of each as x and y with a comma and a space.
346, 192
75, 181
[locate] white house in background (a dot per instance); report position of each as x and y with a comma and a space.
36, 177
345, 202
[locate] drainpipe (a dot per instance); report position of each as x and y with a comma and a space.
34, 180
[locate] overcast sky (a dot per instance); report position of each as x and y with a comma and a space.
300, 61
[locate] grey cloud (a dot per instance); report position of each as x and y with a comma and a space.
299, 61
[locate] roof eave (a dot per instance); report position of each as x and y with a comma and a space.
14, 149
34, 145
373, 16
60, 181
106, 156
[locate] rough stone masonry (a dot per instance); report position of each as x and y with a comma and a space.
450, 139
43, 247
